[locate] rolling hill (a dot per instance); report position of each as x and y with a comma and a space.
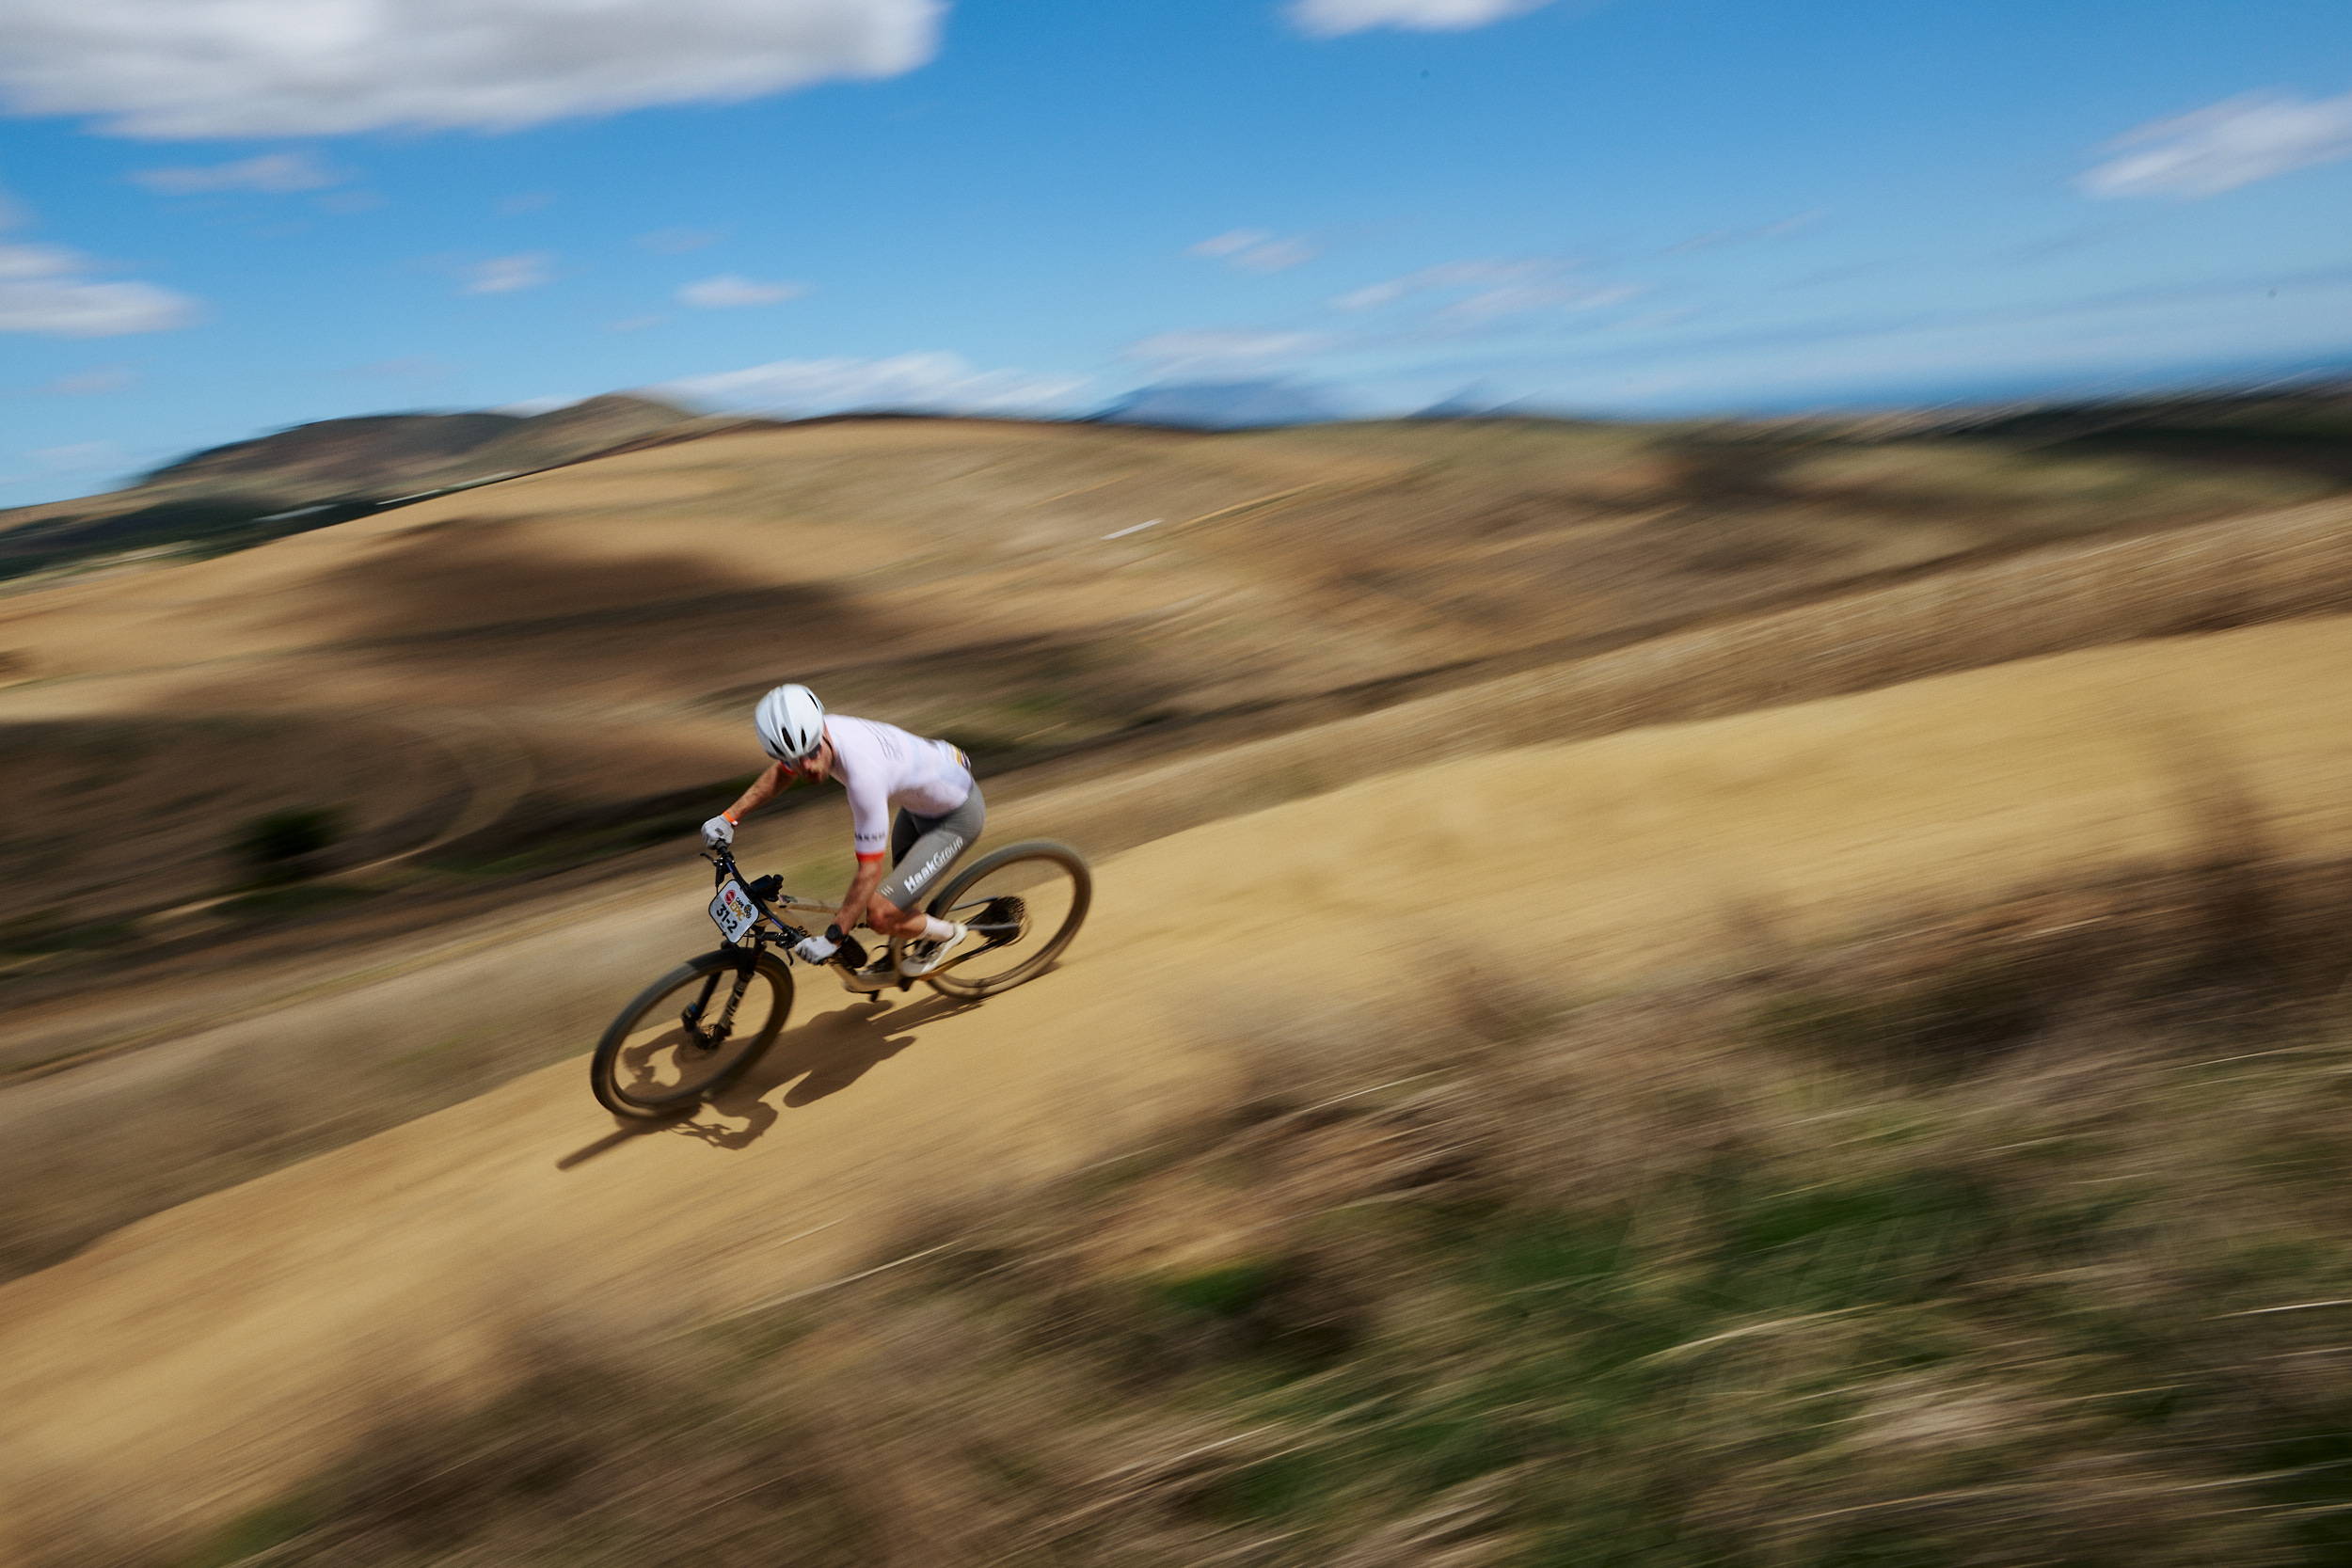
1342, 711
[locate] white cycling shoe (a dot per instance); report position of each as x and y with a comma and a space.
921, 958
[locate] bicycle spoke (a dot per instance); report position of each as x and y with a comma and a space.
1021, 909
678, 1046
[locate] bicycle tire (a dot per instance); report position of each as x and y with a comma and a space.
1082, 896
635, 1102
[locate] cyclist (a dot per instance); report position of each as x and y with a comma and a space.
927, 783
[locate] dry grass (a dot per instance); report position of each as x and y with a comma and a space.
89, 1150
166, 1140
2005, 1239
159, 1150
956, 578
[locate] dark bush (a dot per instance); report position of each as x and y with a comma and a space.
285, 845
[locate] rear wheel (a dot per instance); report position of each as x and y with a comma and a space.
1024, 904
690, 1034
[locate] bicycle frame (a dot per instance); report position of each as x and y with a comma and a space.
775, 931
648, 1076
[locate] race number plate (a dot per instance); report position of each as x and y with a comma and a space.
732, 911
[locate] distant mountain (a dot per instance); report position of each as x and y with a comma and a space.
383, 454
579, 430
1474, 402
375, 451
314, 475
1222, 404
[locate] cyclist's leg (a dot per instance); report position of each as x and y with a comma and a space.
882, 916
937, 844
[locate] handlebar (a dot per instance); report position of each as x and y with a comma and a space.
722, 858
722, 862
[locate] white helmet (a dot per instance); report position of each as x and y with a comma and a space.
791, 722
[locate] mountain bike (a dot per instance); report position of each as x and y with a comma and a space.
701, 1026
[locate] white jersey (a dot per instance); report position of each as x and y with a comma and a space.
884, 769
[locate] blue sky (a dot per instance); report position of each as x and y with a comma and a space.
223, 216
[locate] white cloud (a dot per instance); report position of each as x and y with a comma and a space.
1520, 299
1256, 251
92, 383
1326, 19
2224, 146
1445, 276
1481, 291
1777, 229
1275, 255
196, 68
940, 383
634, 324
1229, 242
504, 274
1373, 295
46, 288
729, 291
272, 173
1224, 349
2170, 337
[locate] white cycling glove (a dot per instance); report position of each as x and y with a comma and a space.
719, 829
815, 950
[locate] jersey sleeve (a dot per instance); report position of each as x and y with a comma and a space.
869, 816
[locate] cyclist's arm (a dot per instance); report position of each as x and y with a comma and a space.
870, 833
763, 789
862, 886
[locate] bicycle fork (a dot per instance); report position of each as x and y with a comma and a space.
712, 1038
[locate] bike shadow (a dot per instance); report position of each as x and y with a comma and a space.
821, 1058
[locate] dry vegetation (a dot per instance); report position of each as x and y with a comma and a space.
209, 1121
2009, 1238
571, 652
311, 476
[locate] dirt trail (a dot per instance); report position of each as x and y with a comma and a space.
2285, 564
201, 1359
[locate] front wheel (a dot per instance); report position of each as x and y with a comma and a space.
690, 1034
1024, 904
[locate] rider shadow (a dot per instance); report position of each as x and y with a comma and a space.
826, 1055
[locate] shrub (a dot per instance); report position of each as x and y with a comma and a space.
284, 846
1895, 1254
